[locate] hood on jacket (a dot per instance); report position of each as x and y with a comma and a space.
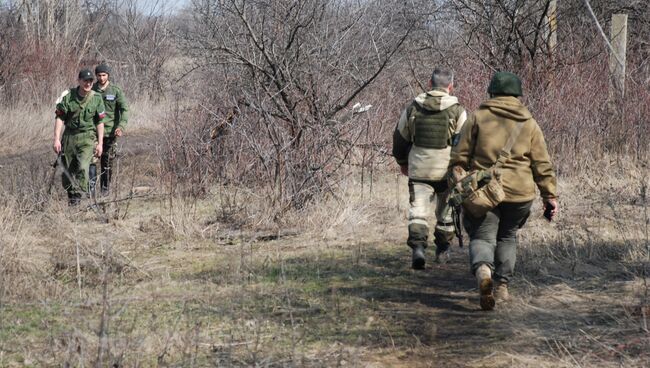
507, 106
436, 100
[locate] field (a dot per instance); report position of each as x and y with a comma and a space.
147, 278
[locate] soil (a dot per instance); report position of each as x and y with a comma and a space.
578, 299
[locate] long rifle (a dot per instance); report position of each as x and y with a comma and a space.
54, 165
458, 230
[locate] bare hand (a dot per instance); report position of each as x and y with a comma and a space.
118, 132
404, 169
57, 146
98, 150
551, 208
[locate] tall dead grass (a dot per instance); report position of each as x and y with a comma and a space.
24, 261
28, 129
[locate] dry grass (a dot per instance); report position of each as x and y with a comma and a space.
22, 127
30, 128
198, 281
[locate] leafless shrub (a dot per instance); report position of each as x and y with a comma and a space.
135, 40
291, 71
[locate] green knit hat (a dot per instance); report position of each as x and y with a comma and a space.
505, 84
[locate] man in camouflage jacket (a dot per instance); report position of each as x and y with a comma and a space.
115, 123
493, 238
422, 142
81, 111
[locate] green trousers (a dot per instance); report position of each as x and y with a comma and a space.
78, 150
493, 238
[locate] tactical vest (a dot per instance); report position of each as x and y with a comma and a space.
430, 128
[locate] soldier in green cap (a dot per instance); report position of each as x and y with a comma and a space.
81, 112
115, 123
526, 165
422, 142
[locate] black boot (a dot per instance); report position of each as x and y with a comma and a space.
442, 240
74, 199
105, 179
417, 240
418, 260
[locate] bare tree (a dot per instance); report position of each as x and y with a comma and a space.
136, 40
503, 34
292, 69
45, 41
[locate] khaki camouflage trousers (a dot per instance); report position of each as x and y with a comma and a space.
422, 195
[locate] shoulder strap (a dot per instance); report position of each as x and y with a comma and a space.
504, 154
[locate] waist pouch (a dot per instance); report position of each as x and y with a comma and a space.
478, 191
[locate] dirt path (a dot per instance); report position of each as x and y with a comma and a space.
187, 287
551, 320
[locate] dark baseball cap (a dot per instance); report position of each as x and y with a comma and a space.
86, 74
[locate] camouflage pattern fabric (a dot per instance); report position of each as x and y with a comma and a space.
116, 108
80, 115
422, 138
421, 197
78, 118
78, 152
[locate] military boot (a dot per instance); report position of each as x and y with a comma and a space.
442, 256
74, 199
484, 280
501, 291
442, 240
417, 240
105, 180
418, 260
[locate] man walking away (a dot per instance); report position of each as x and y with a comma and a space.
422, 142
502, 129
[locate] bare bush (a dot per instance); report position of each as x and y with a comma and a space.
43, 43
290, 71
136, 40
503, 34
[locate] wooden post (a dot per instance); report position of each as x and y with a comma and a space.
551, 28
617, 59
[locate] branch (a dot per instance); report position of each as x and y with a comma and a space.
600, 29
365, 84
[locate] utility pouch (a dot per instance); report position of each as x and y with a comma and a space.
477, 191
485, 198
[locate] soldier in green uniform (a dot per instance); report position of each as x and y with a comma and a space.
422, 142
81, 111
115, 123
493, 237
